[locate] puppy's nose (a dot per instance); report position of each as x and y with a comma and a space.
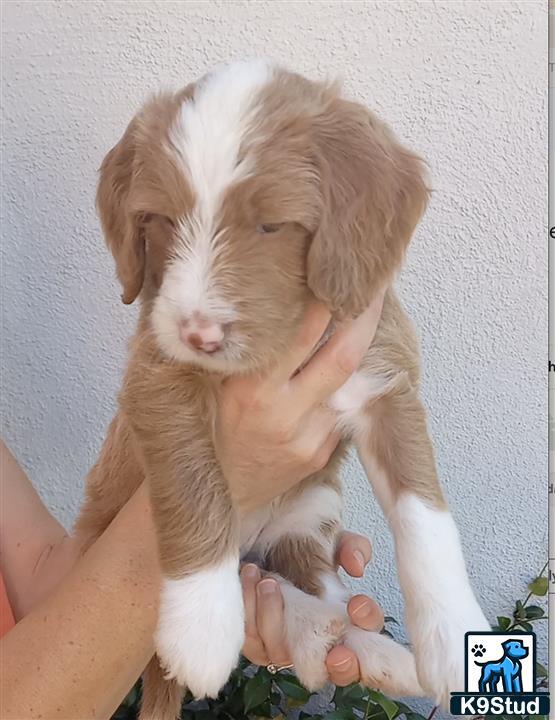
202, 334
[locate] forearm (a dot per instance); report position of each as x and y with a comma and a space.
90, 639
35, 551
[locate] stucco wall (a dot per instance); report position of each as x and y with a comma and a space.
463, 83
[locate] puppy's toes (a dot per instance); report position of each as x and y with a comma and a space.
312, 627
384, 664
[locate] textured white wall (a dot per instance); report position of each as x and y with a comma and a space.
463, 83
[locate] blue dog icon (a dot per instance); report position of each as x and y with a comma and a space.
508, 669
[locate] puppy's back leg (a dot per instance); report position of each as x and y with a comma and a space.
397, 454
111, 482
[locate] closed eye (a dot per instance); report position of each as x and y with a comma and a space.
268, 228
157, 218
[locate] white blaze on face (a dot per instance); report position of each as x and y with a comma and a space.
205, 140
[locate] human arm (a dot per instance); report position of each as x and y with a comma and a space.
81, 648
35, 549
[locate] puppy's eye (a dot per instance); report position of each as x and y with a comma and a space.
268, 228
163, 220
167, 221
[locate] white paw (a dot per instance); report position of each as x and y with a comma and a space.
437, 633
312, 627
384, 664
201, 628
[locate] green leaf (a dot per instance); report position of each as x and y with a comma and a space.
534, 612
352, 692
290, 677
291, 688
360, 704
538, 586
340, 715
541, 671
374, 712
256, 691
525, 626
391, 709
503, 622
263, 711
520, 612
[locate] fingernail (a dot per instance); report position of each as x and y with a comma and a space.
266, 587
360, 558
250, 571
344, 664
363, 609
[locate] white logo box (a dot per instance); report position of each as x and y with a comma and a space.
493, 651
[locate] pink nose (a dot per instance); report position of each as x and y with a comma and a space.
202, 334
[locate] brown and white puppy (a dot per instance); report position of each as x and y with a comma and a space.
228, 206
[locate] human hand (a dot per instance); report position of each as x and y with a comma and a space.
264, 618
274, 430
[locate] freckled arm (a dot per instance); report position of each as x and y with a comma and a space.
78, 652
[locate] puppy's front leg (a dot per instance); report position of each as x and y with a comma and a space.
201, 619
440, 605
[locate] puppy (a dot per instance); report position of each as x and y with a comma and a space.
228, 206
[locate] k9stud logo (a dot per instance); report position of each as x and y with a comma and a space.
500, 676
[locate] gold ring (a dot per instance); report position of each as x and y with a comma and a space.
273, 669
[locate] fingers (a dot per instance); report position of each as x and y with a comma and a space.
326, 449
353, 553
314, 325
365, 613
333, 364
256, 385
342, 666
270, 621
253, 648
317, 437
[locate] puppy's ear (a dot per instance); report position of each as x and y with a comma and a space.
373, 195
121, 226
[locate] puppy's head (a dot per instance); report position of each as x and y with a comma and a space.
229, 205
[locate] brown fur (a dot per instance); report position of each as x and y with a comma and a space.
161, 698
347, 196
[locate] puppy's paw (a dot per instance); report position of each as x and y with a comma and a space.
437, 634
384, 664
201, 628
312, 627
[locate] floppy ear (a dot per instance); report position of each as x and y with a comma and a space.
373, 195
121, 226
